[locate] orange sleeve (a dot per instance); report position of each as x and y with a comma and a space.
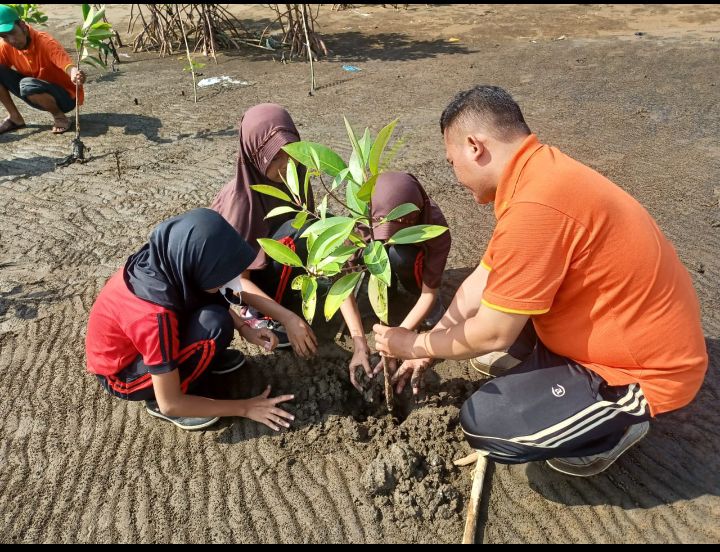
56, 53
3, 57
528, 257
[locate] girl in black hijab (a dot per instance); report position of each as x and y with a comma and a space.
161, 323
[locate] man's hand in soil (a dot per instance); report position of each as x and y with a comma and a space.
395, 342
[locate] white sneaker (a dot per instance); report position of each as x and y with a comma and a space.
189, 423
495, 363
585, 466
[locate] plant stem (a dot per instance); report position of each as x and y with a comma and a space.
332, 195
187, 51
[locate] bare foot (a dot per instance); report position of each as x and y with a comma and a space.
10, 124
61, 124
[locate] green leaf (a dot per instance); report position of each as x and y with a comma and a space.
300, 220
365, 144
356, 168
85, 11
327, 242
417, 234
377, 261
92, 60
355, 146
297, 282
340, 256
88, 19
401, 211
377, 293
318, 227
328, 161
99, 35
330, 269
323, 207
315, 159
306, 187
98, 16
271, 191
280, 252
102, 25
339, 179
366, 190
340, 291
356, 240
292, 181
389, 157
279, 211
352, 200
307, 285
309, 298
379, 146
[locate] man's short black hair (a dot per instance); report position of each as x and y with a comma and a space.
490, 106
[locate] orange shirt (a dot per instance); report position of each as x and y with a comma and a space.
45, 59
603, 285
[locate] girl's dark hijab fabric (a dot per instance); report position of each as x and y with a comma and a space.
185, 256
395, 188
264, 129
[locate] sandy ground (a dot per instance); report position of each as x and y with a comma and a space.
78, 466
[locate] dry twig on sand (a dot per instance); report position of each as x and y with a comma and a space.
210, 26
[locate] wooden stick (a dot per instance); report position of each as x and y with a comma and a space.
389, 395
467, 460
187, 51
474, 504
309, 51
77, 94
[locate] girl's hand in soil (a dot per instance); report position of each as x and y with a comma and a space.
263, 337
301, 336
264, 410
360, 360
413, 370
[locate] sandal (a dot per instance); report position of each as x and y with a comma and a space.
61, 126
8, 125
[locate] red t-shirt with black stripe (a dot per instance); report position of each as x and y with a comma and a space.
123, 326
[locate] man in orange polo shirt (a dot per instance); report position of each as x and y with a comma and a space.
579, 282
37, 69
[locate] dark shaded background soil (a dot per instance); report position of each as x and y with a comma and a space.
77, 466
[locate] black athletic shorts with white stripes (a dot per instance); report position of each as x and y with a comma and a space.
549, 407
